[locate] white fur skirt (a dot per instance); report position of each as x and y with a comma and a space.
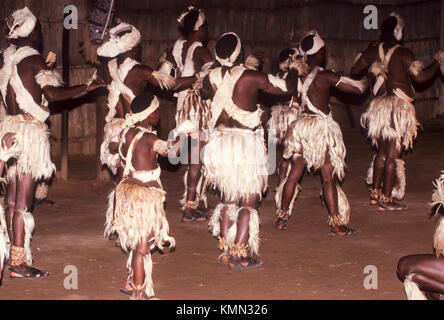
191, 106
31, 148
282, 117
311, 137
235, 163
139, 213
391, 118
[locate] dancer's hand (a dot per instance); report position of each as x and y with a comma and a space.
98, 83
51, 59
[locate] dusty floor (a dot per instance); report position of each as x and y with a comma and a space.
301, 263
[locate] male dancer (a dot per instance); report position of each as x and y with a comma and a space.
423, 274
126, 78
390, 118
26, 86
314, 140
189, 56
283, 114
139, 217
234, 158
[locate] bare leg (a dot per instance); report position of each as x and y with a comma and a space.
427, 270
331, 198
24, 202
194, 175
225, 225
329, 187
294, 177
137, 264
237, 259
390, 167
226, 222
10, 207
378, 165
392, 154
283, 168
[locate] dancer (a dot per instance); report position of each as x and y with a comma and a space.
26, 86
189, 56
126, 78
139, 217
423, 274
314, 141
234, 158
283, 114
390, 119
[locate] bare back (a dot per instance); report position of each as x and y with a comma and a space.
398, 74
27, 70
144, 157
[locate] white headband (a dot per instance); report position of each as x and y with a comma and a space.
133, 118
23, 24
117, 45
398, 32
200, 20
318, 43
228, 62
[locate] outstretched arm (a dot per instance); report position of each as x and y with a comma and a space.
173, 145
184, 83
156, 78
345, 84
52, 85
276, 86
418, 73
363, 60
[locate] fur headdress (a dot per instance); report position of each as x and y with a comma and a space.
119, 44
229, 61
199, 22
399, 29
318, 43
23, 23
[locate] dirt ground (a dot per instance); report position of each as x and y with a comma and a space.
300, 263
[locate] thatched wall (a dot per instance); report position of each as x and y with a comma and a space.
263, 25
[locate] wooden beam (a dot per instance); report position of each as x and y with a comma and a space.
65, 113
102, 175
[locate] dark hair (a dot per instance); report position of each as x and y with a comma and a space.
189, 22
141, 102
388, 27
307, 43
285, 54
225, 46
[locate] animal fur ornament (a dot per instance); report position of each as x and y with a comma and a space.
23, 24
117, 43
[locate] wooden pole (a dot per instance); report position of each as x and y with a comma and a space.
65, 113
102, 175
441, 46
